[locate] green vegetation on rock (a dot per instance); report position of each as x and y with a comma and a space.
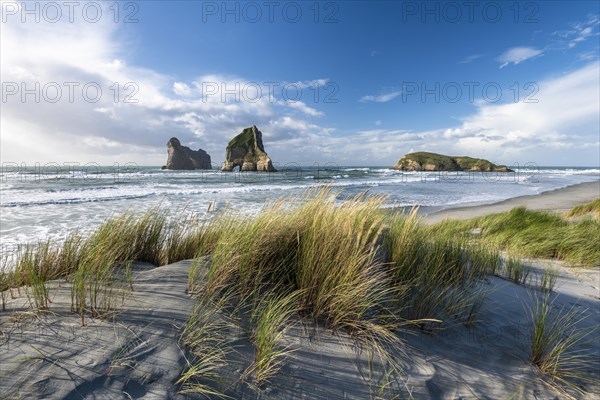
424, 161
244, 139
247, 152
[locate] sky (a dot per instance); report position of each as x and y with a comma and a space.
346, 82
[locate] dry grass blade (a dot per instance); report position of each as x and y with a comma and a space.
204, 337
270, 322
558, 344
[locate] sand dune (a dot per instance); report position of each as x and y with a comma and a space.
137, 353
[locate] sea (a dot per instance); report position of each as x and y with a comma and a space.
40, 203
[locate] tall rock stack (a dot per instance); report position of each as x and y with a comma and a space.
247, 152
182, 157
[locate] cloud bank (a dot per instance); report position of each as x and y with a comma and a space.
140, 109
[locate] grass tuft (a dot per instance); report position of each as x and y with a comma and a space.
434, 276
531, 234
322, 252
204, 337
270, 322
515, 270
592, 207
558, 345
548, 280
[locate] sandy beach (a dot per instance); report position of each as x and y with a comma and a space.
558, 200
137, 353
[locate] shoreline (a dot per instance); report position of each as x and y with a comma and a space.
557, 200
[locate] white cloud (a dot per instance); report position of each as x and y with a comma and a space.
100, 142
470, 59
560, 129
579, 32
298, 105
108, 131
582, 35
588, 56
380, 98
517, 55
562, 123
314, 83
181, 89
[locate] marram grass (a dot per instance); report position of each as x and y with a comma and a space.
348, 266
591, 208
558, 346
270, 320
435, 277
204, 337
325, 253
342, 263
532, 234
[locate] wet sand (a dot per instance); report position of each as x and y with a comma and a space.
554, 200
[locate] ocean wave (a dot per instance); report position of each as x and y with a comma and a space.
534, 171
44, 198
169, 184
366, 169
108, 193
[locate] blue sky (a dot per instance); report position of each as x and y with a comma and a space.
368, 61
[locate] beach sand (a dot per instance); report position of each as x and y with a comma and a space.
137, 353
558, 200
